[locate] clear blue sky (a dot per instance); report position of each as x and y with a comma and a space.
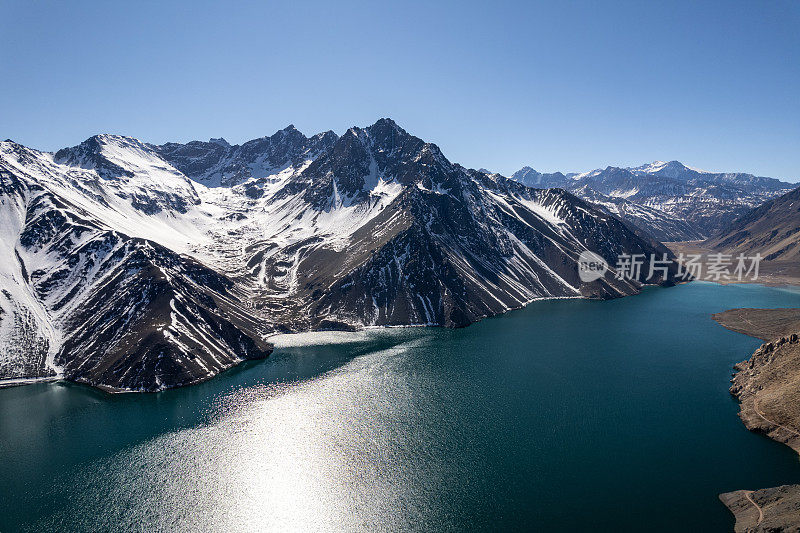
558, 86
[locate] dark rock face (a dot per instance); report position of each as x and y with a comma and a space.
443, 267
157, 321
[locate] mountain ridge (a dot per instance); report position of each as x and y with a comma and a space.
179, 276
691, 203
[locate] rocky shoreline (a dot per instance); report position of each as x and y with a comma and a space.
768, 388
773, 509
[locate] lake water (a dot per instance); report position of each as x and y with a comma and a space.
566, 415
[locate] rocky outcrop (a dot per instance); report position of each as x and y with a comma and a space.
768, 387
765, 510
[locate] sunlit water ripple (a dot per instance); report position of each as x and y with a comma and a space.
568, 414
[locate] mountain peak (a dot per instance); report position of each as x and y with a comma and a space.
326, 134
676, 165
114, 139
101, 153
670, 169
289, 132
117, 156
385, 121
386, 126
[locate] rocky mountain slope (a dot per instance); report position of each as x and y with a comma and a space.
131, 266
85, 299
764, 510
772, 230
681, 203
661, 225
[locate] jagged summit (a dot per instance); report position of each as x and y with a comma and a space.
217, 164
385, 122
534, 178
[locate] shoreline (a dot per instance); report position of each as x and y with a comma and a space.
16, 382
767, 386
355, 329
19, 382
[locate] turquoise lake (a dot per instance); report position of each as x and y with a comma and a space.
566, 415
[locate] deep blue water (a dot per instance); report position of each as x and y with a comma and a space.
566, 415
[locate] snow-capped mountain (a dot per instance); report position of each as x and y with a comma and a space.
679, 202
91, 289
131, 266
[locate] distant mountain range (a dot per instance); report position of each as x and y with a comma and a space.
131, 266
671, 201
